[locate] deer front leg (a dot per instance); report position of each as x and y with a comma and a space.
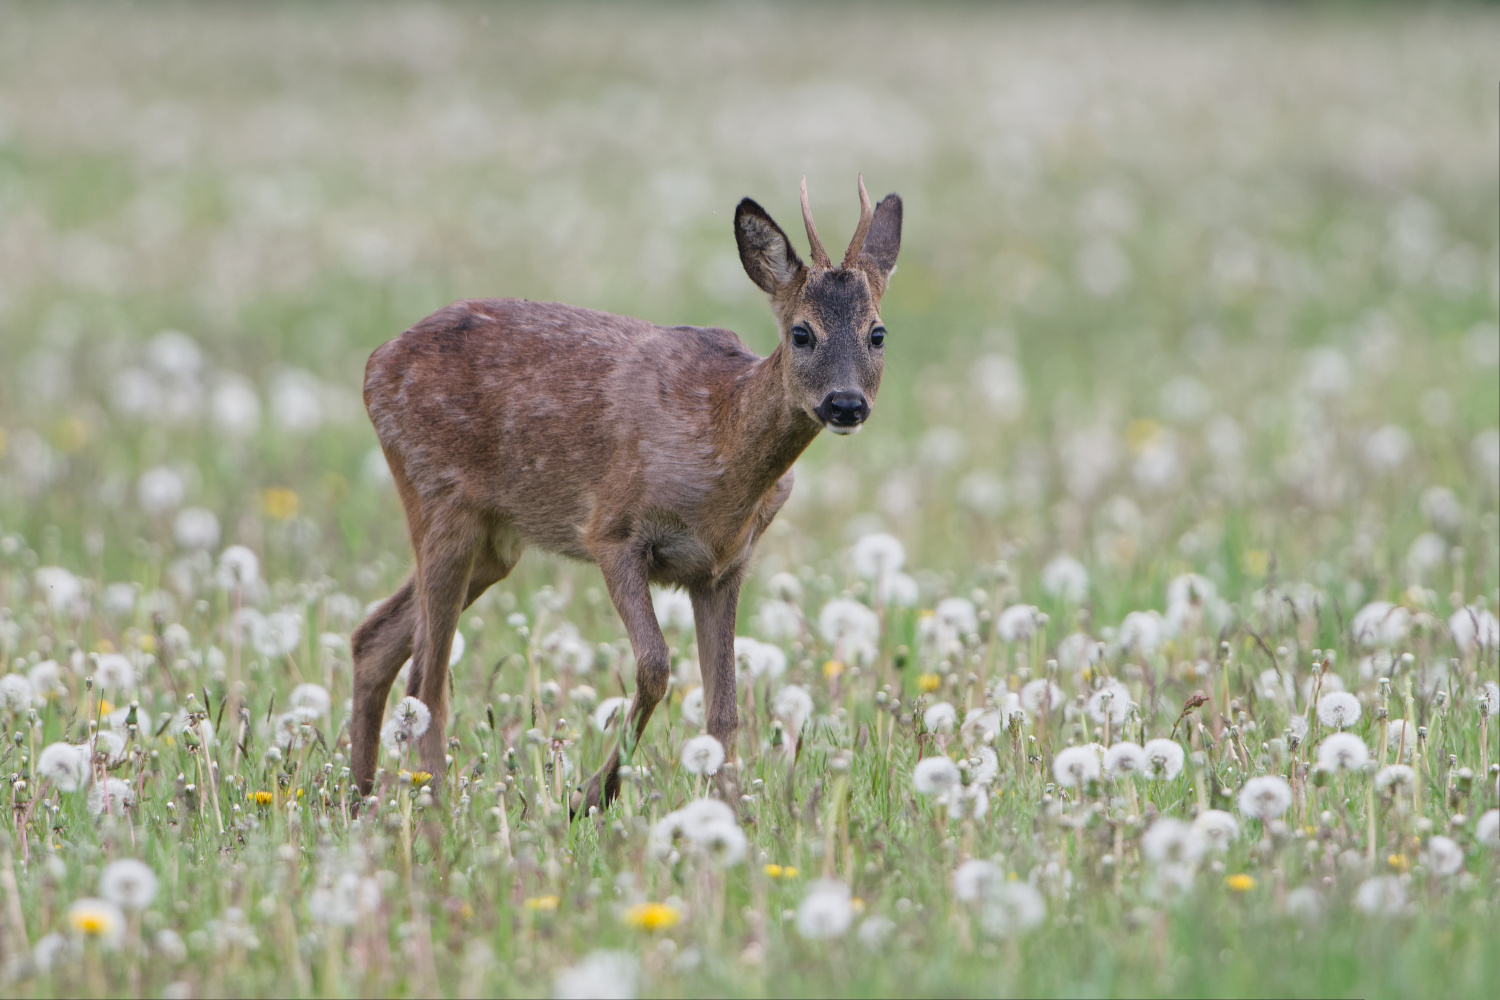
625, 576
442, 584
713, 613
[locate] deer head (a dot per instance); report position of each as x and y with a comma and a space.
832, 338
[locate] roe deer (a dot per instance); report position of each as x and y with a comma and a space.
659, 453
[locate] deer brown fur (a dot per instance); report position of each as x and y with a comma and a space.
659, 453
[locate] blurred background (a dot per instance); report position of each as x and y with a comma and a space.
1181, 288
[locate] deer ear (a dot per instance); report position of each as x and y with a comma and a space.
764, 249
883, 241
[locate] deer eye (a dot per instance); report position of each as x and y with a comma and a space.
801, 335
877, 336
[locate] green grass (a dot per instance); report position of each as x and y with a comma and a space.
1304, 206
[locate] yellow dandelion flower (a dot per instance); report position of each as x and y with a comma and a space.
260, 798
1256, 562
790, 871
279, 503
1397, 861
148, 643
105, 706
97, 919
832, 668
773, 871
104, 646
856, 904
1240, 882
420, 778
544, 904
652, 916
929, 683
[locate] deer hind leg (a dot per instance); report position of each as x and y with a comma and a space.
380, 644
625, 576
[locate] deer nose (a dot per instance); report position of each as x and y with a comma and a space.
844, 409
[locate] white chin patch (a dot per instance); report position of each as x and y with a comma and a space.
844, 429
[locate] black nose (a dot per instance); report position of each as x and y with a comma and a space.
844, 409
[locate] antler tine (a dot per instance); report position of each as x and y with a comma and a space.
866, 214
819, 255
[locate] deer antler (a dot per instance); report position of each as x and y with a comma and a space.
819, 255
866, 214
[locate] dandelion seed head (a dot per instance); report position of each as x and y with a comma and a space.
1110, 702
601, 975
1011, 909
1487, 830
935, 776
610, 711
848, 621
1265, 797
702, 755
1381, 896
975, 878
98, 920
876, 555
65, 765
1041, 695
940, 717
793, 706
1074, 767
239, 568
196, 528
1338, 709
128, 883
1216, 829
1124, 759
1443, 856
1342, 752
313, 697
1017, 622
1171, 841
826, 912
1066, 579
16, 693
759, 659
1164, 759
692, 706
112, 796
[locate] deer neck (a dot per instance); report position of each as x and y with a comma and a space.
763, 429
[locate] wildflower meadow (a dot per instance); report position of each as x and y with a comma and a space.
1143, 643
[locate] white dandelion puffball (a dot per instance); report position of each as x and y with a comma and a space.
98, 919
692, 705
984, 765
702, 755
1338, 709
313, 697
128, 883
112, 796
935, 776
406, 725
1164, 759
1111, 702
1041, 696
759, 659
602, 975
1124, 759
1143, 632
1066, 579
1474, 628
674, 609
1342, 752
1381, 896
975, 879
238, 568
16, 693
1487, 830
1443, 856
875, 556
940, 717
1381, 624
1018, 622
235, 406
609, 711
277, 635
900, 590
110, 745
1013, 908
1266, 797
1304, 903
1400, 733
1217, 829
161, 490
1394, 776
779, 621
1171, 842
849, 621
65, 765
45, 678
1077, 652
62, 590
1075, 767
114, 672
958, 615
196, 528
826, 912
793, 706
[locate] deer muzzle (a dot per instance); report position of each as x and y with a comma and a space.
843, 411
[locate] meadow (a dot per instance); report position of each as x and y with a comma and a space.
1143, 643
